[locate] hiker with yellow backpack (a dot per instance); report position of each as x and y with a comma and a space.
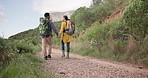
66, 31
45, 30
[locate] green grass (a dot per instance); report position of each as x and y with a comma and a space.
135, 58
99, 42
24, 66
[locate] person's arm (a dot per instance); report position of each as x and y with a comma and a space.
54, 28
62, 28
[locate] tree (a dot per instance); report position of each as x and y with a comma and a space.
136, 18
83, 18
96, 2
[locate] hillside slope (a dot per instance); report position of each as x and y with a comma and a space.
121, 35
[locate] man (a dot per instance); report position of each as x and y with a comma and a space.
46, 38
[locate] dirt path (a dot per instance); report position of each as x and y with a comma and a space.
85, 67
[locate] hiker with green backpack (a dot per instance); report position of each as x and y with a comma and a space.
66, 31
45, 31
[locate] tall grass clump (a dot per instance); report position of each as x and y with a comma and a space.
24, 66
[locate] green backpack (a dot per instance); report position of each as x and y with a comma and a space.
44, 26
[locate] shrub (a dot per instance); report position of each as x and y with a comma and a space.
26, 65
136, 17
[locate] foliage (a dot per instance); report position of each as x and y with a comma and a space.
3, 45
123, 39
22, 46
96, 2
24, 66
101, 42
100, 34
101, 12
83, 18
18, 52
25, 35
136, 17
6, 53
58, 25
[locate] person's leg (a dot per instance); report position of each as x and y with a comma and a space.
68, 49
49, 42
63, 53
44, 48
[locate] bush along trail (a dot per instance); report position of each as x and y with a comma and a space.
85, 67
18, 60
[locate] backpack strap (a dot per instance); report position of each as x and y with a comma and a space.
66, 26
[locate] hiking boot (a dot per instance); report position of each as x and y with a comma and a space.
49, 56
67, 55
67, 58
63, 54
46, 58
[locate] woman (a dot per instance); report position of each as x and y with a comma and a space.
66, 39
